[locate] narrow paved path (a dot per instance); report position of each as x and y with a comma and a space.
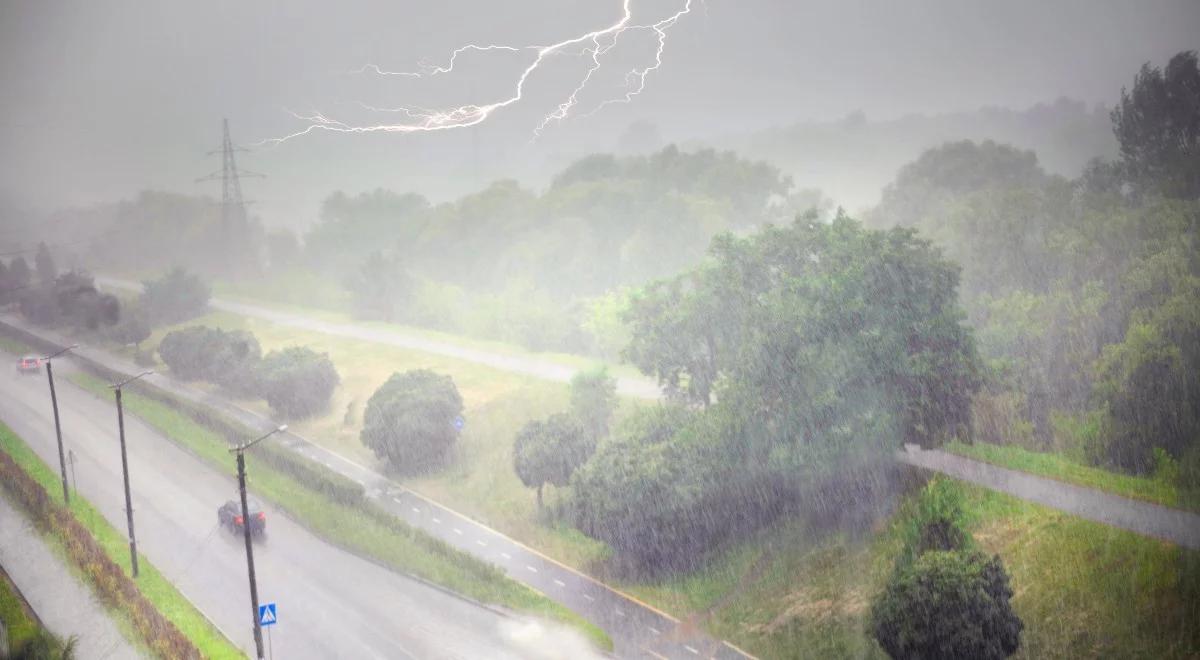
637, 629
64, 604
1145, 518
527, 366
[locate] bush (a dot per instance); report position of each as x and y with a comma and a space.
230, 359
947, 605
133, 328
297, 382
409, 420
175, 297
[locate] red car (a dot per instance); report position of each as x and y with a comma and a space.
29, 365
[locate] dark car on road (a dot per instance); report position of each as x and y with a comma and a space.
30, 364
230, 516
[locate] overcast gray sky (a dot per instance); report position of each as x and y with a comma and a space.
102, 99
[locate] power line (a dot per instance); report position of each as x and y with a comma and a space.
50, 246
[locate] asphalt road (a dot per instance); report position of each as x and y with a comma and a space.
65, 605
527, 366
331, 603
637, 629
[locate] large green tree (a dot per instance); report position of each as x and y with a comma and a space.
410, 420
548, 452
1157, 124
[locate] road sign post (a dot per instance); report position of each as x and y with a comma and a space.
267, 618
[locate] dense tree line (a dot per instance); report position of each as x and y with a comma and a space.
797, 359
529, 261
1084, 292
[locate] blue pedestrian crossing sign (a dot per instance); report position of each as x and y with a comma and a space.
459, 423
266, 615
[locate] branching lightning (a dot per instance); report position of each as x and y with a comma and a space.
594, 45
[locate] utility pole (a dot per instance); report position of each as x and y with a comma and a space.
233, 208
62, 459
116, 387
240, 450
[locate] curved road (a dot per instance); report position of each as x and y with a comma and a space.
637, 629
331, 604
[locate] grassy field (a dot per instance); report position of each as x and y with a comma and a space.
353, 528
480, 481
159, 591
1082, 589
1059, 467
18, 622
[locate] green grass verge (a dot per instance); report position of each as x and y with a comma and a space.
1081, 588
20, 625
157, 589
17, 348
357, 529
1056, 466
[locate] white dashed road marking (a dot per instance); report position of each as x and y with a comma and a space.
588, 597
506, 555
482, 543
458, 531
655, 630
437, 520
532, 569
619, 613
560, 583
692, 650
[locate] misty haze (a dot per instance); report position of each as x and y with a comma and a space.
555, 329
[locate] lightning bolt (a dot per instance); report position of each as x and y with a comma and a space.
594, 45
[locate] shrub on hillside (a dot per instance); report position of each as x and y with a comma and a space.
297, 381
228, 358
409, 420
947, 605
175, 297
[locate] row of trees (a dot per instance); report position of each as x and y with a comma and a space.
296, 381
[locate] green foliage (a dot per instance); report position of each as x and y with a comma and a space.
176, 296
44, 646
937, 522
133, 328
297, 382
593, 400
381, 289
228, 358
548, 452
72, 300
1158, 127
947, 605
409, 420
43, 263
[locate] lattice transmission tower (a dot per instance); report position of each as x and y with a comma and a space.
234, 238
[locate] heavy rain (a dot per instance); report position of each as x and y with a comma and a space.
566, 329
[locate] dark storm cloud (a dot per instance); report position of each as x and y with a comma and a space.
103, 99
